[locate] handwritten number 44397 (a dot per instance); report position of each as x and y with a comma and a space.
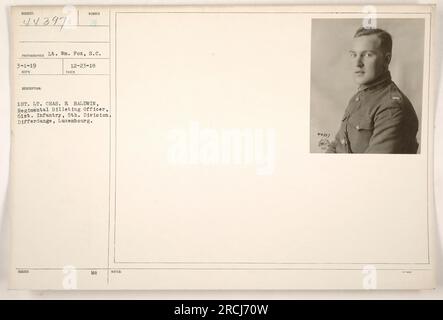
323, 135
46, 21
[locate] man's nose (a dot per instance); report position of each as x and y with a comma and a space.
359, 62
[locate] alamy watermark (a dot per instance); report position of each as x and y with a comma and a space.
197, 145
69, 281
369, 277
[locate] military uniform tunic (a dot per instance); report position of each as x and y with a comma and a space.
378, 119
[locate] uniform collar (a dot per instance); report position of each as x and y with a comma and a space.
380, 82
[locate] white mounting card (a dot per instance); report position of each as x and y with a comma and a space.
189, 147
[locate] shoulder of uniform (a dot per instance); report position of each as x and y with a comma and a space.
393, 103
395, 94
393, 97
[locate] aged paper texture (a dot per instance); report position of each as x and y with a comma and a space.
187, 147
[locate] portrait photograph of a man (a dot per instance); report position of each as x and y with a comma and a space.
366, 86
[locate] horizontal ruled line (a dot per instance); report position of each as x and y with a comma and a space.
65, 74
64, 26
63, 58
269, 263
269, 12
55, 41
217, 268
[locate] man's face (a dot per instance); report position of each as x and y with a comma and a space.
368, 60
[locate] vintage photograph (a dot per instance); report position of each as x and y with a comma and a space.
366, 86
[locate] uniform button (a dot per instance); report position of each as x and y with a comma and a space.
357, 99
343, 141
357, 127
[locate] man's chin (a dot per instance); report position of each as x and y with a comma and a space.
360, 81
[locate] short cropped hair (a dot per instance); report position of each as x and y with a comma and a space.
385, 37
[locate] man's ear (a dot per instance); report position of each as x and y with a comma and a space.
387, 59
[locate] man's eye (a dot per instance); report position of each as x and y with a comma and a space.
368, 54
352, 54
